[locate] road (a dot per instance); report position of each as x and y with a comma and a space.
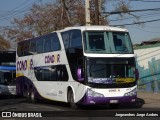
49, 109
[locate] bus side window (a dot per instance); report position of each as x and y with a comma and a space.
46, 75
65, 37
38, 74
75, 39
47, 44
53, 71
62, 74
32, 49
55, 44
40, 46
26, 49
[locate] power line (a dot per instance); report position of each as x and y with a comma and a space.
140, 15
15, 8
146, 30
119, 12
9, 15
10, 11
138, 22
145, 0
154, 27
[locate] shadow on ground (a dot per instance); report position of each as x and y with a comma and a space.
139, 102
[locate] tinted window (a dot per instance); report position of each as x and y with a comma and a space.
107, 42
32, 49
47, 74
75, 39
26, 48
40, 46
62, 74
65, 37
109, 71
47, 44
55, 42
122, 42
38, 73
51, 73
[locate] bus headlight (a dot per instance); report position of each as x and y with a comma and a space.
92, 93
131, 93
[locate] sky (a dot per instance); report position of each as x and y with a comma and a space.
10, 9
142, 32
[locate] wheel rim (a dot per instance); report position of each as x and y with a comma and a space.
32, 96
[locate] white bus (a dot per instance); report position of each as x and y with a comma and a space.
7, 72
86, 65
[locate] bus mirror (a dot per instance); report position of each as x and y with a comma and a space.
79, 75
136, 74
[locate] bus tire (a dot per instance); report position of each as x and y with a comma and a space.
31, 96
25, 92
28, 96
70, 97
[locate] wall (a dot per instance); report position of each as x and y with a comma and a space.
148, 63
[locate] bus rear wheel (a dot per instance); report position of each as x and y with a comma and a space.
70, 97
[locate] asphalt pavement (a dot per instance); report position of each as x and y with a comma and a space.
149, 99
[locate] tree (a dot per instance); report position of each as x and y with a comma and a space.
4, 45
122, 8
45, 18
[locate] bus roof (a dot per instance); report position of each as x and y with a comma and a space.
83, 28
94, 27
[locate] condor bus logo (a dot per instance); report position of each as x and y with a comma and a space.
52, 58
25, 65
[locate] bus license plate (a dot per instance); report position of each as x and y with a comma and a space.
113, 101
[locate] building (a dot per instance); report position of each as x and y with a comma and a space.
148, 63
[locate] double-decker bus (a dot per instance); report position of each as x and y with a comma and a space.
7, 72
86, 65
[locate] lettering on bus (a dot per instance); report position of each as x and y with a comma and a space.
52, 59
25, 65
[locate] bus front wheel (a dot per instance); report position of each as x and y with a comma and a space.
31, 96
70, 98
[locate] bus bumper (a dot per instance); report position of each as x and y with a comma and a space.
123, 100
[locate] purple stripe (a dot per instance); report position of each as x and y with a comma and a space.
87, 100
23, 84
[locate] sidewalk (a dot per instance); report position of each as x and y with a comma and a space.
150, 99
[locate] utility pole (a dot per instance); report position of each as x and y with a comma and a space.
96, 12
100, 9
87, 11
67, 13
100, 5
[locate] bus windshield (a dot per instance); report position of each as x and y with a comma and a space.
107, 42
110, 71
